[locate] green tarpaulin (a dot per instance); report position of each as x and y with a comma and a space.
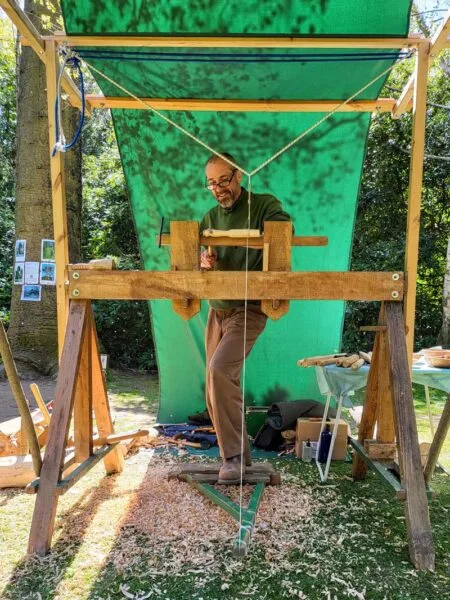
317, 180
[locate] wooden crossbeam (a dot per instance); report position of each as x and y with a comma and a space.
438, 42
150, 285
193, 104
231, 41
26, 28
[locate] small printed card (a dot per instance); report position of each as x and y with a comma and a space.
21, 249
31, 273
48, 250
19, 272
31, 293
48, 274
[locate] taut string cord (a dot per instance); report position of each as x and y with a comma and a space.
148, 106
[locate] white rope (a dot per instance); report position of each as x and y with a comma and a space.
173, 123
322, 120
244, 364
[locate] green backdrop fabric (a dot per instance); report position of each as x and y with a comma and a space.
317, 180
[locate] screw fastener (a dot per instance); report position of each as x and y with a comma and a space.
395, 294
76, 293
395, 276
76, 275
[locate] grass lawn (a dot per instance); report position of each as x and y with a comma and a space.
137, 535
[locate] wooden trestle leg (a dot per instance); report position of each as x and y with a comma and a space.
389, 404
80, 386
421, 546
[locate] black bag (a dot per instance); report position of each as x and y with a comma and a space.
284, 415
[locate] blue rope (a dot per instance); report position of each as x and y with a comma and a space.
73, 61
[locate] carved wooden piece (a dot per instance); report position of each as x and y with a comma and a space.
185, 256
421, 546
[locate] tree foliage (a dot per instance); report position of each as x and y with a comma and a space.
7, 160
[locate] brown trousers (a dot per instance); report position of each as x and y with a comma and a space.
224, 340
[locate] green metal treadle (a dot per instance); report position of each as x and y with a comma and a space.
202, 478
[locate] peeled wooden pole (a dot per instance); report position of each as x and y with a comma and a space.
16, 387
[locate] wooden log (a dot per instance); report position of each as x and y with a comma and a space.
421, 547
113, 461
357, 364
278, 235
231, 285
22, 404
185, 256
438, 442
349, 360
231, 233
320, 360
47, 499
16, 471
366, 356
377, 451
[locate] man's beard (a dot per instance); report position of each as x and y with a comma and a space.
226, 201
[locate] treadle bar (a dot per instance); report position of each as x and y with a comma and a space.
385, 474
245, 516
248, 521
214, 495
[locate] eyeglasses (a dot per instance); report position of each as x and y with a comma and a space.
222, 183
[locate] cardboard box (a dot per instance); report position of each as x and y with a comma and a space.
310, 429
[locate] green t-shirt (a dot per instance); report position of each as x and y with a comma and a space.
264, 207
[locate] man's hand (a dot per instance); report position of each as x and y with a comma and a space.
208, 261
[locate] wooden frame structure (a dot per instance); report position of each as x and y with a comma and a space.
80, 383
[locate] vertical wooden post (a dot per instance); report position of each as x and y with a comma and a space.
370, 409
415, 192
114, 461
421, 547
185, 256
82, 408
58, 196
277, 257
385, 414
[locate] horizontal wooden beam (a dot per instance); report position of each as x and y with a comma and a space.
26, 29
192, 104
254, 243
180, 285
230, 41
438, 42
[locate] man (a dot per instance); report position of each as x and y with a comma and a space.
224, 336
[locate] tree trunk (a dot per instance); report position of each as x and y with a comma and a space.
445, 333
33, 327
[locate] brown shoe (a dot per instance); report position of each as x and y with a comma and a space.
230, 471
